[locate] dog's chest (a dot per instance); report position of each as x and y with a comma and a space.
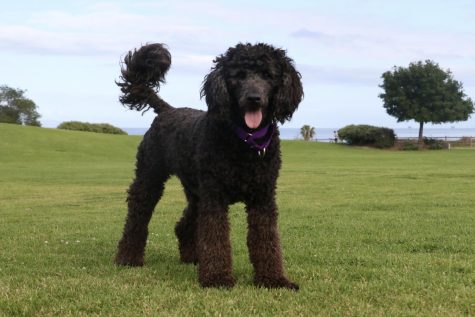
241, 177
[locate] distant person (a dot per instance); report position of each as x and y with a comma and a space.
335, 136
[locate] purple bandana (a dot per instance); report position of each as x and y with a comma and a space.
264, 136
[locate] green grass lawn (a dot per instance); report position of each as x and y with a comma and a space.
364, 232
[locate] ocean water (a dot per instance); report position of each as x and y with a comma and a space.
327, 134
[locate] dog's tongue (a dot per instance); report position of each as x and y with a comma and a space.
253, 119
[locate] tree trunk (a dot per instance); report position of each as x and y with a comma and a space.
421, 141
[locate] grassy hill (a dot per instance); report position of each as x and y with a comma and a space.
364, 232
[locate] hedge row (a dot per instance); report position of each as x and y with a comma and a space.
429, 144
367, 135
91, 127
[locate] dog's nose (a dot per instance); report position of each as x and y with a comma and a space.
255, 98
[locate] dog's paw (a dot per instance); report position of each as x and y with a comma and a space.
279, 282
124, 260
226, 281
188, 258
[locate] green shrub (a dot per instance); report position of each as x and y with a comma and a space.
434, 144
367, 135
91, 127
409, 146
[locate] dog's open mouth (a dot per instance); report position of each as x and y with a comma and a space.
253, 118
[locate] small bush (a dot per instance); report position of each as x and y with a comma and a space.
408, 145
367, 135
434, 144
91, 127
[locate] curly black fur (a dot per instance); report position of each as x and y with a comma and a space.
250, 86
144, 70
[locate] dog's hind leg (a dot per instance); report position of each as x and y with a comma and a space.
185, 231
143, 195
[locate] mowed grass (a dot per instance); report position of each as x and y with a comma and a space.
364, 232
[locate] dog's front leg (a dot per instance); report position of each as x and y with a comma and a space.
264, 247
214, 246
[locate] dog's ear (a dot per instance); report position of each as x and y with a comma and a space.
289, 93
216, 93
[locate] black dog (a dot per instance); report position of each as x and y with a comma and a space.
229, 154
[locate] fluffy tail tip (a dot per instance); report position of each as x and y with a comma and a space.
142, 71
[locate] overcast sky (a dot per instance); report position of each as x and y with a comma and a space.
67, 54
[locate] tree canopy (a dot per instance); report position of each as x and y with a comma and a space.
16, 108
425, 93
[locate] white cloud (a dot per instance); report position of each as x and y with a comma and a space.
389, 42
334, 75
35, 41
101, 30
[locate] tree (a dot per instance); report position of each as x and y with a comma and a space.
307, 132
16, 108
425, 93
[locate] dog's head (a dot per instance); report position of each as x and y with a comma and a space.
253, 85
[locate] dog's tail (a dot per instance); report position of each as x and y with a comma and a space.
142, 72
